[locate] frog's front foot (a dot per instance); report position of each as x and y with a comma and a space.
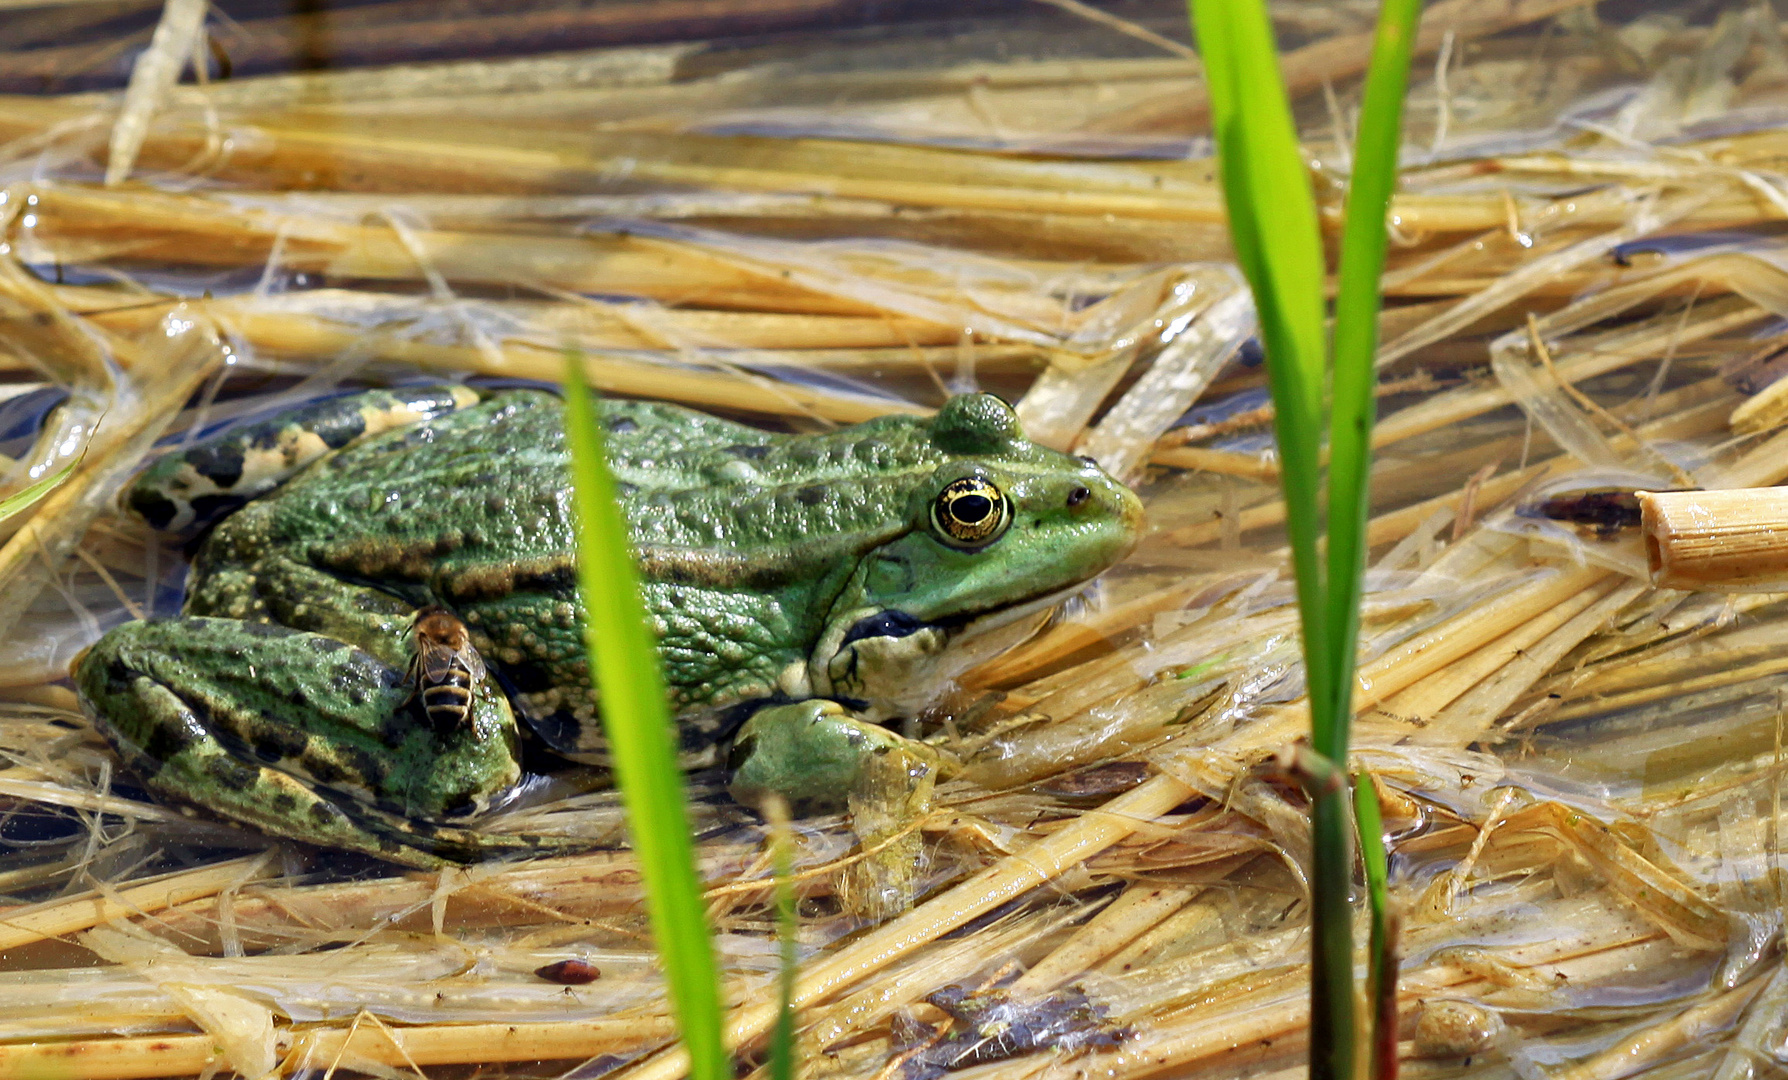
819, 757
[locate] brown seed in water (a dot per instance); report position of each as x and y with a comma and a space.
573, 972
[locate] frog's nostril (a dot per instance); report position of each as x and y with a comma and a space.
1078, 496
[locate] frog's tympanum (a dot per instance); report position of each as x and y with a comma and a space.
393, 584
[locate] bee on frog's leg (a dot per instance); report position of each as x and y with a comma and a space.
444, 669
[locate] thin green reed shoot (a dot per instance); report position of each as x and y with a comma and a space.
636, 717
1273, 225
1357, 301
1355, 345
1272, 222
1381, 977
19, 502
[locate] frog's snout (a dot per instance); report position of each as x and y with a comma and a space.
1104, 498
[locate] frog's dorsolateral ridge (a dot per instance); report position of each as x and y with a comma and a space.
804, 588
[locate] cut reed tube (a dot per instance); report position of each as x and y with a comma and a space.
1726, 541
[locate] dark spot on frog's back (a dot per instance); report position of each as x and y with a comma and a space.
338, 427
811, 495
120, 677
749, 453
263, 629
165, 741
154, 507
275, 740
874, 453
621, 425
220, 463
231, 773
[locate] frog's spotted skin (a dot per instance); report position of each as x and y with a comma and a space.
776, 568
182, 492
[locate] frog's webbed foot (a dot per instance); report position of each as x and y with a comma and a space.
819, 757
301, 736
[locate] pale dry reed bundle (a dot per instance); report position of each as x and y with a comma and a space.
1581, 771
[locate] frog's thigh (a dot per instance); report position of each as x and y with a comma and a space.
189, 487
190, 763
199, 709
816, 755
300, 596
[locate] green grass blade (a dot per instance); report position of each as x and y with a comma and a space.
641, 742
1272, 221
1352, 411
1273, 225
1381, 979
1357, 301
18, 501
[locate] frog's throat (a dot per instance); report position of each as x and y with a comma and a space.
896, 665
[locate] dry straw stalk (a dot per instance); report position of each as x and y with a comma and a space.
1726, 541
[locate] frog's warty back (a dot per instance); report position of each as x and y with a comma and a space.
189, 488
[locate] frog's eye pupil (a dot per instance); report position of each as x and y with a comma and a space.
972, 509
1078, 496
970, 512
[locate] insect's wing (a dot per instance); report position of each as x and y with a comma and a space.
436, 661
474, 663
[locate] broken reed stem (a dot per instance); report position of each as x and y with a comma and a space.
315, 1048
590, 323
60, 917
1725, 541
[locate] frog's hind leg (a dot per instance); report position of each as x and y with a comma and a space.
283, 590
185, 758
300, 736
193, 486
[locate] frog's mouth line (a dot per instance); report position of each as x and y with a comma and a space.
894, 623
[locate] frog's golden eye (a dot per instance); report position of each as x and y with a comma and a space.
970, 512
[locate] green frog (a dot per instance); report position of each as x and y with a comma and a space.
388, 584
